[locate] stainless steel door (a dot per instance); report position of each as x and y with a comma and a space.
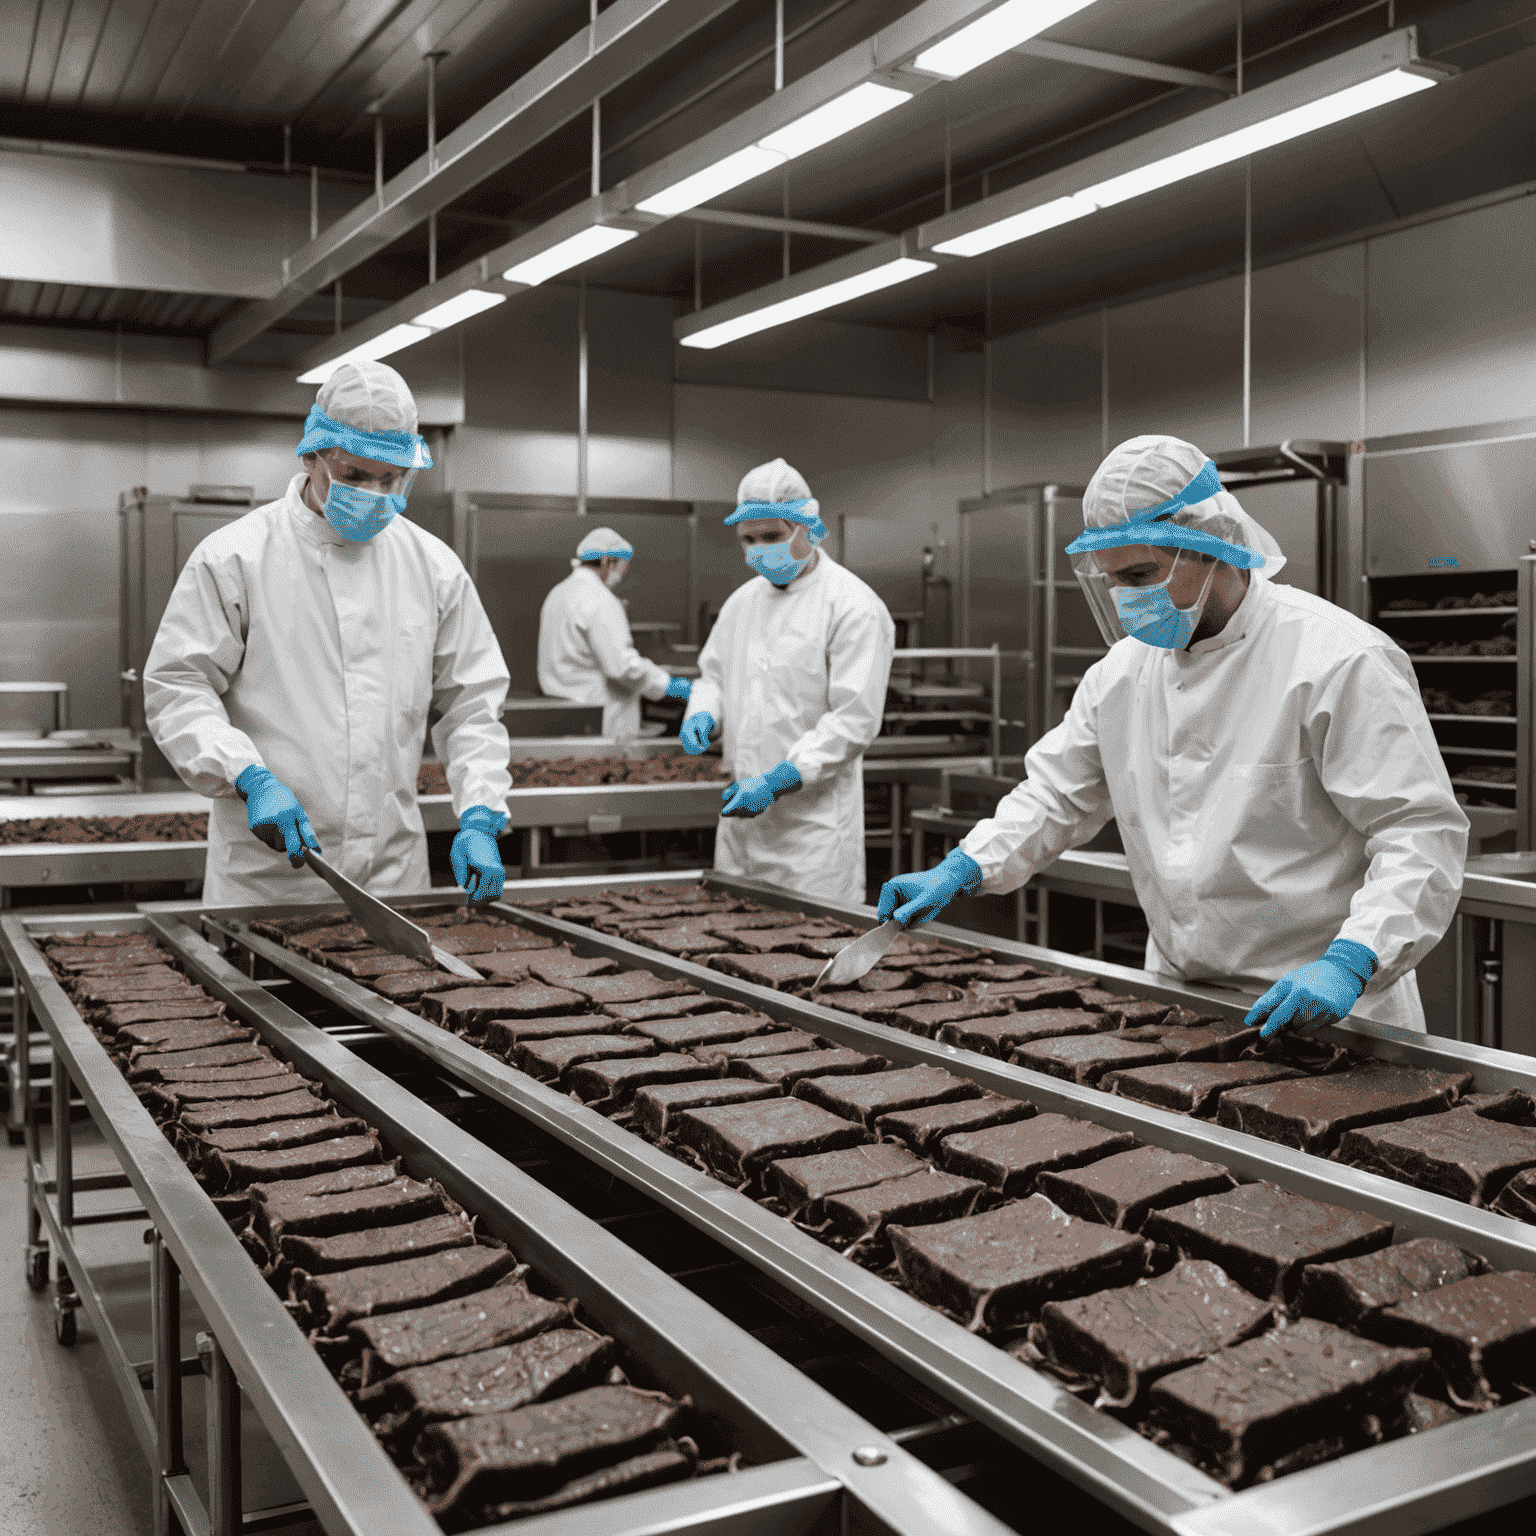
999, 604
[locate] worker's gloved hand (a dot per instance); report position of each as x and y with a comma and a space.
695, 733
678, 688
920, 897
475, 858
275, 815
1316, 994
753, 796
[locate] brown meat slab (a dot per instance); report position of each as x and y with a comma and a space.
1205, 1040
182, 1034
611, 1084
338, 1181
682, 941
655, 1107
365, 966
1010, 1157
1123, 1190
883, 1006
1460, 1153
266, 1136
868, 1096
1085, 1059
242, 1072
976, 970
997, 1270
704, 1029
110, 1017
467, 1011
488, 1319
924, 1128
626, 987
1264, 1236
784, 1042
1124, 1339
738, 1141
1313, 1113
550, 1060
223, 1115
556, 967
804, 1183
1126, 1012
1002, 1033
1292, 1396
929, 1018
1518, 1200
503, 1036
154, 1067
278, 1212
1046, 992
378, 1245
241, 1168
502, 968
166, 1100
338, 1300
776, 971
788, 1070
674, 1007
767, 941
412, 986
1351, 1291
1191, 1087
861, 1217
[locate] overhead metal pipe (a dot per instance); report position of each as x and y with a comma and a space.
378, 159
431, 60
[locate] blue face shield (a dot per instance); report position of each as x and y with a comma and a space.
1148, 613
775, 562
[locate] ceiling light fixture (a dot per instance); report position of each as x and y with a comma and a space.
395, 339
473, 301
885, 276
841, 115
997, 32
590, 242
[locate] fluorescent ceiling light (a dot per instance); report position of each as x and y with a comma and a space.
592, 241
475, 301
998, 31
842, 115
817, 299
395, 339
1191, 162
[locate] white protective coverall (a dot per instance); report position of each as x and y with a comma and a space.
586, 653
285, 645
799, 673
1276, 787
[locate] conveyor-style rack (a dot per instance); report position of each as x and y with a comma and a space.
812, 1459
1407, 1483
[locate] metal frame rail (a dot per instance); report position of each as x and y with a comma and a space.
1415, 1484
819, 1464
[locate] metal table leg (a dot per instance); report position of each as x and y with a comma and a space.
36, 1253
895, 828
918, 850
165, 1287
1490, 984
222, 1412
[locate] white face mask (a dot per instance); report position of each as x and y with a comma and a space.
614, 577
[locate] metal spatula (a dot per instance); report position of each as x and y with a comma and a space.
859, 958
386, 927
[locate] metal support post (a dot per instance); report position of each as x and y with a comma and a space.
896, 798
165, 1299
378, 158
1098, 930
581, 397
63, 1144
431, 60
37, 1244
314, 202
997, 707
1490, 982
221, 1399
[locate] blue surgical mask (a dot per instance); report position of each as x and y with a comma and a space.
358, 514
775, 562
1148, 613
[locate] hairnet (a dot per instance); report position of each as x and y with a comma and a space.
1163, 491
367, 409
600, 544
777, 489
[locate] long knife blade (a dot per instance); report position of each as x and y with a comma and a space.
386, 927
859, 958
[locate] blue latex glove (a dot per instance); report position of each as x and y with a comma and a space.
1316, 994
753, 796
475, 858
928, 891
695, 733
275, 815
678, 688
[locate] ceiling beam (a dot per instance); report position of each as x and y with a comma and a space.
786, 226
626, 38
1118, 64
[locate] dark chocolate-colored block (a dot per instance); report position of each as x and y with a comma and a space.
241, 1072
1264, 1236
683, 941
236, 1169
1001, 1034
1191, 1087
1518, 1200
1313, 1113
777, 971
788, 1070
468, 1010
474, 1463
221, 1115
1086, 1058
929, 1018
1010, 1157
803, 1183
924, 1128
728, 922
627, 987
784, 1042
674, 1007
550, 1060
883, 1006
412, 986
1482, 1333
378, 1245
704, 1029
861, 1216
267, 1136
1124, 1339
154, 1067
558, 968
181, 1035
1123, 1190
768, 941
998, 1269
110, 1017
338, 1181
510, 938
1351, 1291
503, 968
975, 970
365, 966
881, 979
278, 1212
166, 1100
870, 1095
1133, 1012
738, 1140
503, 1036
1291, 1397
488, 1319
337, 1300
1047, 992
1461, 1153
611, 1084
656, 1106
1205, 1040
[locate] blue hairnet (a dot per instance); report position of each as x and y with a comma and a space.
806, 511
407, 449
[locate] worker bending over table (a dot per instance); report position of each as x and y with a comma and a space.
794, 674
299, 655
1285, 811
586, 652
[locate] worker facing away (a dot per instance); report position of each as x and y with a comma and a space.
299, 656
794, 675
1285, 812
585, 649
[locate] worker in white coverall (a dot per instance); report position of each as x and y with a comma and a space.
585, 649
1286, 815
794, 672
299, 655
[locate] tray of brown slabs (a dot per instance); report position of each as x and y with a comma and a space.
433, 1340
1204, 1327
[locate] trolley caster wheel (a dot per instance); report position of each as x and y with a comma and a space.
63, 1324
37, 1268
